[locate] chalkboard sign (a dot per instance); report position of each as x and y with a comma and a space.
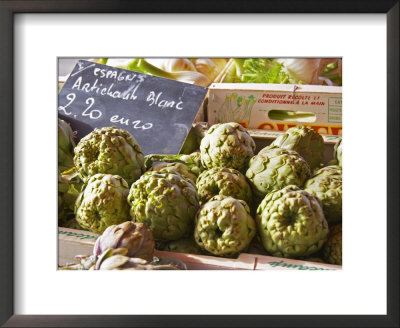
158, 112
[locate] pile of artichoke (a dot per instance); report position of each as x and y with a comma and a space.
218, 200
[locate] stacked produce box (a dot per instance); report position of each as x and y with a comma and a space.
220, 200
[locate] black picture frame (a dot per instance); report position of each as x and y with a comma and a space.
7, 11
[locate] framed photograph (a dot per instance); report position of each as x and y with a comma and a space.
73, 62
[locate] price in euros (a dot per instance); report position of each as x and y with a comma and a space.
94, 114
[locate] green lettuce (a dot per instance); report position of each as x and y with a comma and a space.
257, 70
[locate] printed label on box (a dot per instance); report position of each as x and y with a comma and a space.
276, 107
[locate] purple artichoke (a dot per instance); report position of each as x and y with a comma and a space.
136, 237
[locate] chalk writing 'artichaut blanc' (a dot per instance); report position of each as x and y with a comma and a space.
109, 91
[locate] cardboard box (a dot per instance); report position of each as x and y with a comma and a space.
276, 107
73, 242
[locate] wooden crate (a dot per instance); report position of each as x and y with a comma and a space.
73, 242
